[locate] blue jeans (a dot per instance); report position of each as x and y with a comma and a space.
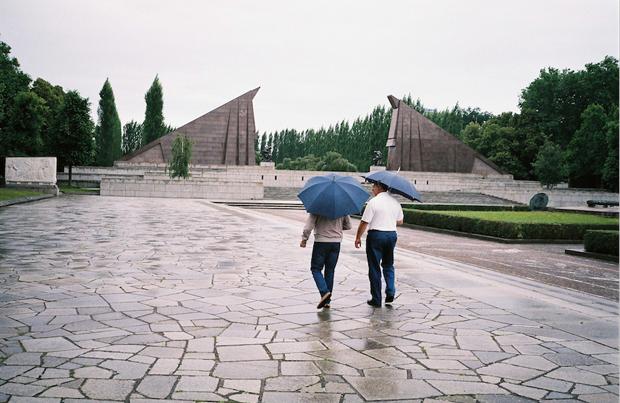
324, 255
380, 254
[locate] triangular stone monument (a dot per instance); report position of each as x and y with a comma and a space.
224, 136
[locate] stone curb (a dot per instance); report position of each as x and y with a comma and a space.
26, 199
583, 253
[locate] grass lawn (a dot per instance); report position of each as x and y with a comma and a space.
532, 217
77, 190
10, 193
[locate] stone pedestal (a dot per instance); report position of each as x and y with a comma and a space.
38, 173
375, 168
270, 164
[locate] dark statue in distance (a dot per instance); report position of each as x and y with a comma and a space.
266, 155
377, 158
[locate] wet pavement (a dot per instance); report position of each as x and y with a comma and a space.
545, 263
127, 299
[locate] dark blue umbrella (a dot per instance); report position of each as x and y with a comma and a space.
395, 183
333, 196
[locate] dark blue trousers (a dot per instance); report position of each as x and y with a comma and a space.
380, 254
324, 256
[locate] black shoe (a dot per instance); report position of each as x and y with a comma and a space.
373, 303
326, 306
324, 300
389, 299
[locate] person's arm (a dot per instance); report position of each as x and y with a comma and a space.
346, 223
400, 218
369, 213
310, 223
360, 231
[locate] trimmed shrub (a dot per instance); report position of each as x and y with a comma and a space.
501, 229
598, 241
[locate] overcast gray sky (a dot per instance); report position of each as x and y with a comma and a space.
317, 62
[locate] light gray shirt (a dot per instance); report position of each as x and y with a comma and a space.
325, 229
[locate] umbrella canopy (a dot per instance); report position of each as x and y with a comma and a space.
395, 183
333, 196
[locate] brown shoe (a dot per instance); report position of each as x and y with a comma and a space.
324, 299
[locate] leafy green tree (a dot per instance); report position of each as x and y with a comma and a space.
132, 137
153, 126
24, 135
108, 131
549, 165
75, 145
333, 161
610, 169
305, 163
12, 82
587, 151
556, 99
53, 98
181, 156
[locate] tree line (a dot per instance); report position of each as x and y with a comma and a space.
38, 118
566, 129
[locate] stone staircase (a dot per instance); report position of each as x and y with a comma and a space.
456, 197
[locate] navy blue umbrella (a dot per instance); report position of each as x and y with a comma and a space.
333, 196
395, 183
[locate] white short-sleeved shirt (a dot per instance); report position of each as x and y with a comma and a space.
382, 212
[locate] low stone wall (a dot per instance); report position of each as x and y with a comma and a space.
181, 188
502, 186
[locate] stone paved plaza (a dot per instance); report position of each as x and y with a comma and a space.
128, 299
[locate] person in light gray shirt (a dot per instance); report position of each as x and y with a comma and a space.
325, 252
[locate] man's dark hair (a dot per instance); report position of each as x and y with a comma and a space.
382, 186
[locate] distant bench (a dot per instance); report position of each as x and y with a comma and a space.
604, 203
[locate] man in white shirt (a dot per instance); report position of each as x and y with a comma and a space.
383, 212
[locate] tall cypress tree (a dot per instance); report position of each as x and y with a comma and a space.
108, 132
154, 127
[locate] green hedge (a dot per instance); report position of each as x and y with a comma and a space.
464, 207
502, 229
605, 242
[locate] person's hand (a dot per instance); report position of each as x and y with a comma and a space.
358, 243
303, 243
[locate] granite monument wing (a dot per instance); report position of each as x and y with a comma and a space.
224, 136
415, 143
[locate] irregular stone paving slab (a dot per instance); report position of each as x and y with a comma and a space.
290, 383
242, 353
509, 371
279, 397
576, 374
196, 384
550, 384
252, 386
466, 388
525, 391
145, 299
107, 389
389, 389
529, 361
246, 370
48, 344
